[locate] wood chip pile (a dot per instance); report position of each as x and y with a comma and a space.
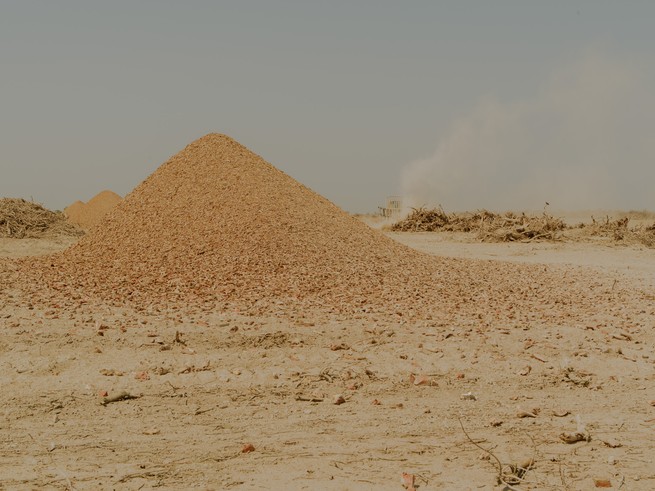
87, 215
218, 228
218, 223
492, 227
21, 219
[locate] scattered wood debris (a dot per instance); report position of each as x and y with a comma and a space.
110, 372
575, 437
121, 396
247, 448
489, 226
513, 227
21, 219
408, 481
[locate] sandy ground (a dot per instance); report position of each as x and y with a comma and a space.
207, 385
636, 262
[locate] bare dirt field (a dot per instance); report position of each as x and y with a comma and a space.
208, 385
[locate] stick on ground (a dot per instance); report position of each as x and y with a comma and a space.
121, 396
501, 477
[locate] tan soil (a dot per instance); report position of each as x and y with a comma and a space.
568, 340
87, 215
236, 381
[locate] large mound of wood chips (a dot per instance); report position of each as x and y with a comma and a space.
218, 227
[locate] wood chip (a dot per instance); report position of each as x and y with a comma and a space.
574, 437
622, 336
611, 443
310, 398
408, 481
422, 380
121, 396
338, 399
338, 347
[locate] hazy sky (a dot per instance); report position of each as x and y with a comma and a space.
464, 103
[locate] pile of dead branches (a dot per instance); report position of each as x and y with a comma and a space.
424, 220
24, 219
510, 227
647, 236
491, 227
522, 227
620, 231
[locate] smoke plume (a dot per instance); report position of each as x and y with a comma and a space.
584, 140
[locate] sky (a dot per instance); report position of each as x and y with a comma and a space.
467, 104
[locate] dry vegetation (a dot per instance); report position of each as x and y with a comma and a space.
24, 219
639, 215
489, 226
620, 231
509, 227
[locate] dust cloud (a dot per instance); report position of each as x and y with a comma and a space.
583, 140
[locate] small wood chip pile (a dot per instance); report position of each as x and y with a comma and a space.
21, 219
87, 215
490, 227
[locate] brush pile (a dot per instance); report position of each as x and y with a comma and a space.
490, 227
617, 229
522, 227
620, 231
21, 219
424, 220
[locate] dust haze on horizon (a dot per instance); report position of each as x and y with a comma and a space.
583, 140
478, 104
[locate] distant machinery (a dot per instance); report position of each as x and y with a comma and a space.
394, 207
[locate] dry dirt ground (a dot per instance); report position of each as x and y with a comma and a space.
206, 386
